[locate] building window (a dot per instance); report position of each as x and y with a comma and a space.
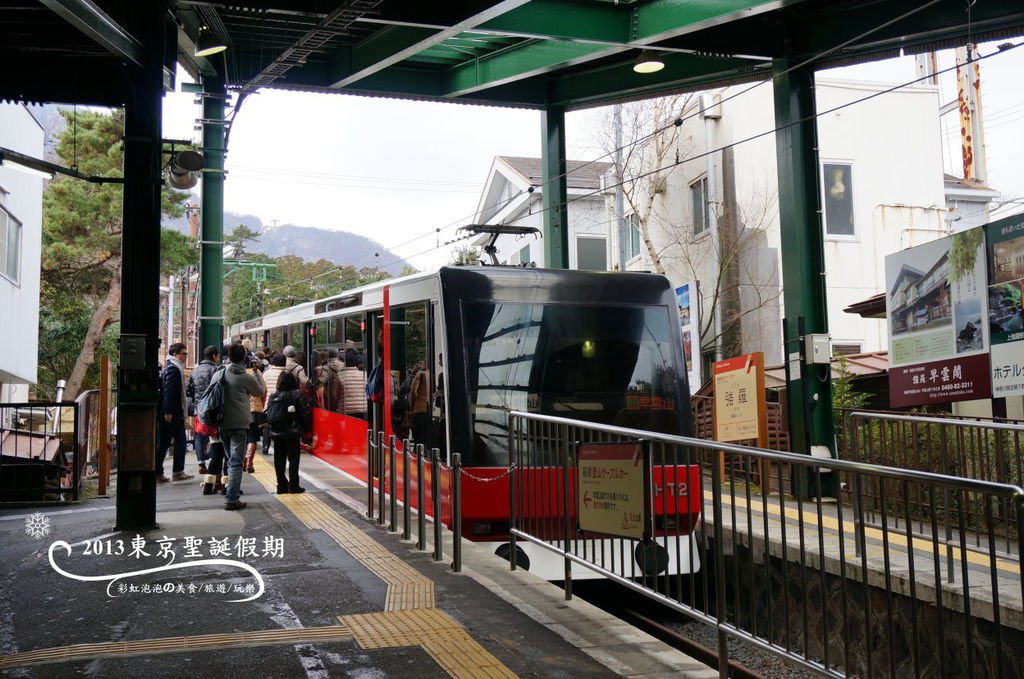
524, 256
699, 206
837, 183
845, 348
633, 237
10, 246
591, 254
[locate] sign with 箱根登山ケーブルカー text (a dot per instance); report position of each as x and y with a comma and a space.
612, 489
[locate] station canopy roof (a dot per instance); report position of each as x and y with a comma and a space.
526, 53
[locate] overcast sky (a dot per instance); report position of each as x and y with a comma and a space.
397, 171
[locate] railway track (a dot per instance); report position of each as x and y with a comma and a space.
695, 650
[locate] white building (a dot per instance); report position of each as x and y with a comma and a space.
513, 195
21, 220
882, 191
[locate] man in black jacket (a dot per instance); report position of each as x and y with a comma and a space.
172, 414
198, 381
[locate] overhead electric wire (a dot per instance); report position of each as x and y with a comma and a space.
706, 153
678, 121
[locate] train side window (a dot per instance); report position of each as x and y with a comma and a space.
296, 338
412, 388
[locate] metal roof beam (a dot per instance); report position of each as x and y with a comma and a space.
517, 63
638, 26
681, 73
98, 26
587, 33
397, 44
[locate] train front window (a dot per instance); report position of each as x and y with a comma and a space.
609, 365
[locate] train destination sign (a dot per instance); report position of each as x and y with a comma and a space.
612, 497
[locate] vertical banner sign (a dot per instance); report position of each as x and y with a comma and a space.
741, 411
1006, 304
936, 302
689, 323
612, 497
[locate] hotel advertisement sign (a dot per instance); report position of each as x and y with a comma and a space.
937, 309
1005, 308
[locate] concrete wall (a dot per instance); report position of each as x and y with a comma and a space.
19, 301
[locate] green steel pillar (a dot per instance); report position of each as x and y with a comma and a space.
809, 387
211, 265
137, 373
555, 194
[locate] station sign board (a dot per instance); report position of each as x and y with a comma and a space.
613, 496
741, 410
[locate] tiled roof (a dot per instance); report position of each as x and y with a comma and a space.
583, 174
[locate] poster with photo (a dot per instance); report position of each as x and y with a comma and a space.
686, 299
1005, 309
937, 307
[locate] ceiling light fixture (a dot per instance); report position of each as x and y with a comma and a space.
183, 171
648, 62
17, 161
208, 43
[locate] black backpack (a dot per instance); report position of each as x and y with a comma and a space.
280, 420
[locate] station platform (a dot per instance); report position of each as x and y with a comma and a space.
330, 594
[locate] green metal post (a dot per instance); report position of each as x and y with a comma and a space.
211, 268
803, 261
137, 375
555, 194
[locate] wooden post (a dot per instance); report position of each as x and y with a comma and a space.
103, 466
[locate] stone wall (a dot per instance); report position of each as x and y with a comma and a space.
868, 631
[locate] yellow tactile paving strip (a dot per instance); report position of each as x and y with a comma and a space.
440, 636
117, 649
407, 587
409, 617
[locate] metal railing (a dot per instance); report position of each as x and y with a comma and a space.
981, 449
810, 581
40, 451
420, 471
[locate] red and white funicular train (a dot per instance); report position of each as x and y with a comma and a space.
491, 340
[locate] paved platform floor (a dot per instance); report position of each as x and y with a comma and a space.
293, 585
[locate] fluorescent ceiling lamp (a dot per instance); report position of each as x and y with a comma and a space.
209, 43
648, 62
6, 162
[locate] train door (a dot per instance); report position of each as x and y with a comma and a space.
411, 375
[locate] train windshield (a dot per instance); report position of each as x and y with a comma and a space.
604, 364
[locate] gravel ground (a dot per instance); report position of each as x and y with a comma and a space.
766, 664
611, 597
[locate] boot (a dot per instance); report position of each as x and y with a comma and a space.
247, 462
209, 483
220, 486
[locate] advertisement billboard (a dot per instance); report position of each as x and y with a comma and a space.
1005, 310
937, 308
686, 298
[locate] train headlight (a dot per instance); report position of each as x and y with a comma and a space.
589, 348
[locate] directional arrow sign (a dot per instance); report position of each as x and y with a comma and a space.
611, 489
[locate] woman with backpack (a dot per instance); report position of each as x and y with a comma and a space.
289, 418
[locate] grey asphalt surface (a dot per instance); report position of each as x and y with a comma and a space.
315, 581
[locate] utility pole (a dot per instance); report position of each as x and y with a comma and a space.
620, 219
972, 131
